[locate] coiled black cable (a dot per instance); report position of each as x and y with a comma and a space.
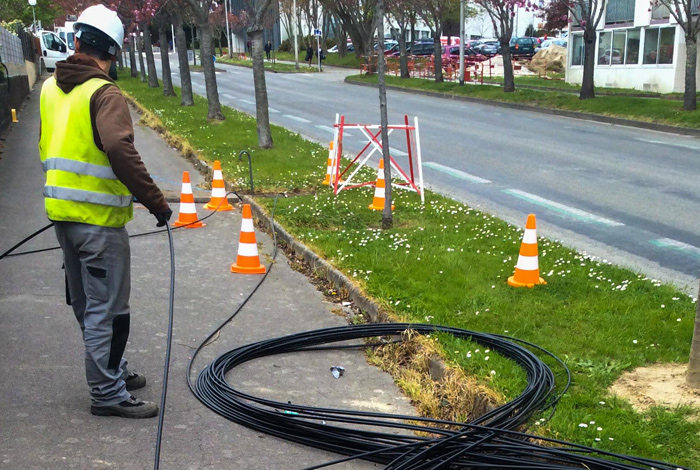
491, 441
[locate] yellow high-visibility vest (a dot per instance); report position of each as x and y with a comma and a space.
80, 184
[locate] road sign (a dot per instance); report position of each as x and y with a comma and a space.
317, 32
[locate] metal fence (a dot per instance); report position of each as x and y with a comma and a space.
11, 50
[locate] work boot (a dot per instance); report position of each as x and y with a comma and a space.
135, 381
131, 408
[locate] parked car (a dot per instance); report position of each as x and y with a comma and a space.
451, 54
548, 42
420, 49
53, 49
524, 46
489, 49
388, 46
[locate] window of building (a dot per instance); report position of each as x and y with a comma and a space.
619, 11
604, 47
619, 41
633, 41
577, 49
658, 45
660, 12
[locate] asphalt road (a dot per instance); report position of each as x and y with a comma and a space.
623, 194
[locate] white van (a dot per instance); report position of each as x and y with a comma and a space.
53, 49
68, 36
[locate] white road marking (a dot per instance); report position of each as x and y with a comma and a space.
272, 110
228, 97
247, 101
295, 118
676, 245
397, 152
326, 128
673, 144
561, 208
455, 172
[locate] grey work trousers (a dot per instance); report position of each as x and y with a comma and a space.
98, 277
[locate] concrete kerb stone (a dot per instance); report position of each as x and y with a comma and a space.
535, 109
321, 267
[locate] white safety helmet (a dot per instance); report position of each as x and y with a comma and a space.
100, 19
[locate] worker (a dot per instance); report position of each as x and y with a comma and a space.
93, 172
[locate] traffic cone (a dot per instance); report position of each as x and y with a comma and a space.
188, 211
247, 261
330, 167
527, 270
378, 201
218, 201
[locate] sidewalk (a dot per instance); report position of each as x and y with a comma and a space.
45, 419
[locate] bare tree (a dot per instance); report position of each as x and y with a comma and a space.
139, 51
587, 14
150, 59
162, 21
502, 13
403, 13
435, 13
387, 215
693, 377
200, 10
186, 97
685, 13
357, 18
259, 15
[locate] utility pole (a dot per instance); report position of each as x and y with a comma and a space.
294, 33
461, 42
228, 31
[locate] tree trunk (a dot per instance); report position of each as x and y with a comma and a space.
387, 215
508, 79
693, 377
403, 57
690, 98
221, 51
120, 61
142, 67
587, 90
194, 48
438, 57
132, 57
186, 98
150, 59
165, 61
207, 59
342, 43
262, 115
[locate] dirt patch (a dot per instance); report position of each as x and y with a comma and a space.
657, 385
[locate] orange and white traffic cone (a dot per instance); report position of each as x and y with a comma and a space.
247, 261
379, 188
527, 271
188, 211
330, 167
218, 201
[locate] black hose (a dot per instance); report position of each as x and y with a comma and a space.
250, 167
413, 443
166, 367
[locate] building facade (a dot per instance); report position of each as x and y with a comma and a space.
638, 46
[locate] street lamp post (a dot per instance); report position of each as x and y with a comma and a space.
461, 42
32, 3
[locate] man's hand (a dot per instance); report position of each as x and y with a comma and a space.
163, 217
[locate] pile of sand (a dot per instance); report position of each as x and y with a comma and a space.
552, 59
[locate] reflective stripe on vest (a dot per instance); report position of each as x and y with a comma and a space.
80, 184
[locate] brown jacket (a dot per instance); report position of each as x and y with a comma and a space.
112, 129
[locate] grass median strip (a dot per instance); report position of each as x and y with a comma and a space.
447, 263
269, 66
628, 107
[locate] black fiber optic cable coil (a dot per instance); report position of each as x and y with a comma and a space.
491, 441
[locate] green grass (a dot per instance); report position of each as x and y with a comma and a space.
447, 263
628, 107
331, 59
556, 81
269, 66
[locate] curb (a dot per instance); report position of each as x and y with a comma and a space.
320, 266
535, 109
